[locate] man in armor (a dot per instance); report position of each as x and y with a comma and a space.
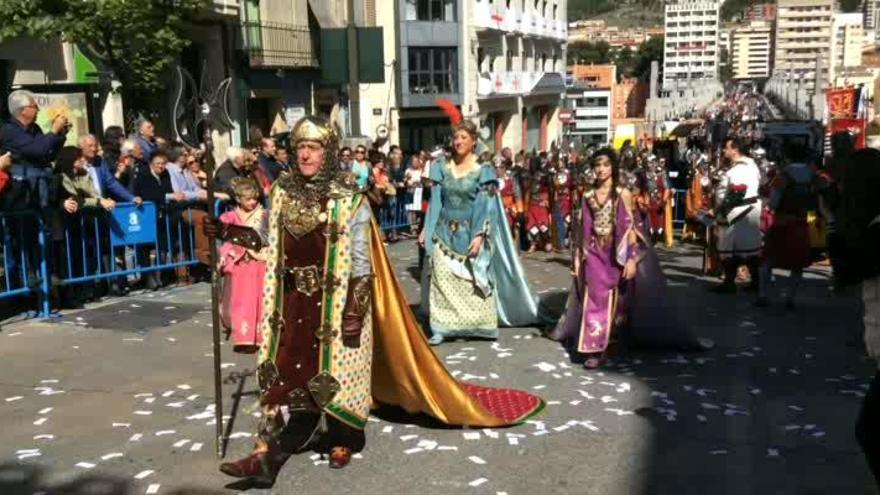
316, 302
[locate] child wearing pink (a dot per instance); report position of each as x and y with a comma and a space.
243, 270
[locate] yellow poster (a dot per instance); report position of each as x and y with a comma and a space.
70, 105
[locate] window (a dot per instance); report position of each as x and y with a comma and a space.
433, 70
430, 10
481, 58
509, 61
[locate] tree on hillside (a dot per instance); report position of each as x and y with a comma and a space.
648, 51
136, 42
626, 62
589, 53
582, 9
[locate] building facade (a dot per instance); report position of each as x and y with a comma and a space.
594, 75
761, 12
849, 35
803, 40
691, 45
628, 97
501, 62
751, 51
591, 119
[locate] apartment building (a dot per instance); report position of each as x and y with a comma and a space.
871, 13
501, 62
591, 108
761, 12
514, 70
594, 75
849, 35
751, 50
691, 51
803, 39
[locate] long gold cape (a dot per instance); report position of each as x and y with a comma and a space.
406, 372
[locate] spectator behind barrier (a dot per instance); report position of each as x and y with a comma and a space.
282, 156
182, 179
111, 145
238, 163
106, 184
154, 185
146, 139
345, 159
32, 151
268, 164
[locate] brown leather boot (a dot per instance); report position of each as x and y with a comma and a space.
261, 468
339, 457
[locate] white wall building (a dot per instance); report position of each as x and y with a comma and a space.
691, 52
849, 35
592, 111
514, 70
803, 39
751, 50
501, 62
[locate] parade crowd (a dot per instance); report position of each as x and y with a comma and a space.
308, 287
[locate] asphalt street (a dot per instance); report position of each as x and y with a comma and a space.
117, 398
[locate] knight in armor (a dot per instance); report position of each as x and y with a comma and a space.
538, 191
792, 195
510, 192
738, 214
563, 191
337, 333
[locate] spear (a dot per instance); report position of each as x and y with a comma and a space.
215, 296
206, 106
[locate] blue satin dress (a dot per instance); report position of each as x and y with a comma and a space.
470, 296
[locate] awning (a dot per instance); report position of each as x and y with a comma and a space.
329, 13
684, 129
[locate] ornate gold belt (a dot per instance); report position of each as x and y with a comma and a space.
305, 279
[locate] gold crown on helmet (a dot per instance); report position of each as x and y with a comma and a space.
311, 128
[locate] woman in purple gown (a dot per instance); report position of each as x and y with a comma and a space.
604, 257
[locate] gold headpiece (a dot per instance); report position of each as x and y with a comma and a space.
311, 128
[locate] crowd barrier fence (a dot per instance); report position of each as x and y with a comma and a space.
127, 242
25, 270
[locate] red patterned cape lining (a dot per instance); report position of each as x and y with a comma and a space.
512, 406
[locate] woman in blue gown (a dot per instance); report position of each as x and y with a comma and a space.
472, 279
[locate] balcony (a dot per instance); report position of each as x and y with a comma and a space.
278, 45
508, 20
519, 83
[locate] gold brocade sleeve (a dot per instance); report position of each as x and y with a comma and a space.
406, 372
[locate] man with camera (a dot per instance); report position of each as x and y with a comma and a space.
32, 150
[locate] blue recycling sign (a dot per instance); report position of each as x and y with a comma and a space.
130, 224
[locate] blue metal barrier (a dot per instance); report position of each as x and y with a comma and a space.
393, 215
24, 257
107, 253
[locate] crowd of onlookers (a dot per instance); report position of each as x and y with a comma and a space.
70, 185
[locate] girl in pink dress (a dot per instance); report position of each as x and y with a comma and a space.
243, 270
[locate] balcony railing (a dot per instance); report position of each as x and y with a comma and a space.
518, 83
278, 45
529, 22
